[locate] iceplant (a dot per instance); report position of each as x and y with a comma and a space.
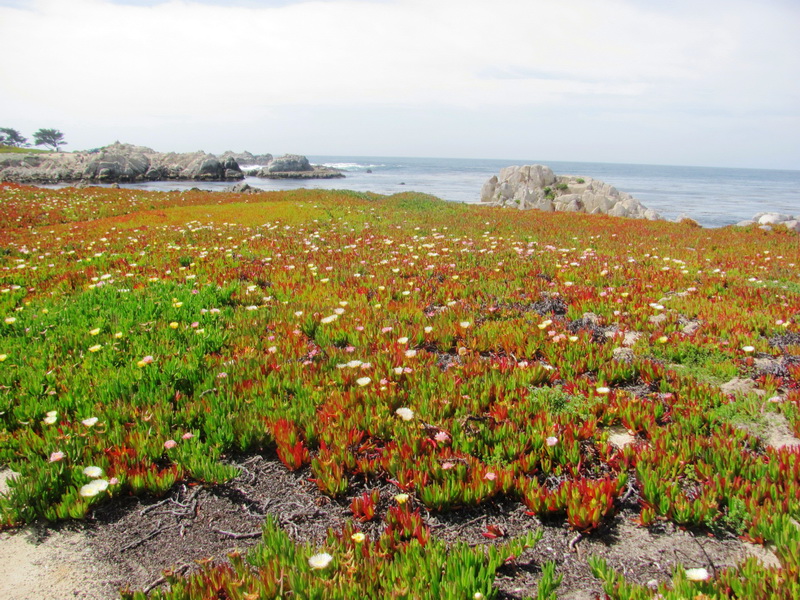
320, 561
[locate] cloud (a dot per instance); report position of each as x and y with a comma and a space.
170, 61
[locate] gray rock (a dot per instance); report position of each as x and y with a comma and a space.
537, 187
118, 163
241, 188
289, 163
487, 191
794, 225
247, 158
773, 219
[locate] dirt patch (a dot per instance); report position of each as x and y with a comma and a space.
130, 541
776, 431
52, 564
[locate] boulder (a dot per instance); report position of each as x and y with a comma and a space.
247, 158
289, 163
487, 191
766, 221
773, 219
241, 188
537, 187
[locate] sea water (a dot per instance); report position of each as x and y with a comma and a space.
714, 197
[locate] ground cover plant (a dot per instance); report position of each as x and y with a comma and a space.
414, 359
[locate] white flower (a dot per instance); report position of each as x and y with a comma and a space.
320, 561
411, 353
402, 340
404, 413
748, 348
329, 319
603, 390
93, 488
551, 441
353, 364
465, 324
93, 472
91, 421
699, 574
51, 417
428, 329
362, 381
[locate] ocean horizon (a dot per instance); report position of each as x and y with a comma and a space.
712, 196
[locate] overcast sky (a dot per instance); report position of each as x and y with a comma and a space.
685, 82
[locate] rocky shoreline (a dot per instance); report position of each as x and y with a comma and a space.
125, 163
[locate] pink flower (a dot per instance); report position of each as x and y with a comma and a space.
359, 328
169, 444
187, 436
113, 481
491, 476
56, 456
551, 441
447, 465
442, 437
222, 375
196, 324
147, 359
350, 349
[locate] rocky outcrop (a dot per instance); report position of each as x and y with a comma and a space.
248, 159
294, 166
122, 163
767, 220
289, 163
536, 186
241, 188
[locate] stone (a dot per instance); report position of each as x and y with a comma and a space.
487, 191
773, 219
537, 187
118, 163
241, 188
792, 224
289, 163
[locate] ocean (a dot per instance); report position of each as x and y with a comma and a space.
714, 197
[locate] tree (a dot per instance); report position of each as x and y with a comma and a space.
12, 137
52, 138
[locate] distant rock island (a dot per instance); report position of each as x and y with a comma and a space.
536, 186
126, 163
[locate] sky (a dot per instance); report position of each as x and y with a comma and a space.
684, 82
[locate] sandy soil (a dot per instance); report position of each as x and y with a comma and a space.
130, 541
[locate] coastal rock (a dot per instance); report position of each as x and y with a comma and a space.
117, 163
537, 187
767, 220
247, 159
289, 163
295, 166
241, 188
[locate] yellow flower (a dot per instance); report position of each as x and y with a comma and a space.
10, 320
95, 348
174, 325
358, 537
401, 498
94, 331
3, 357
